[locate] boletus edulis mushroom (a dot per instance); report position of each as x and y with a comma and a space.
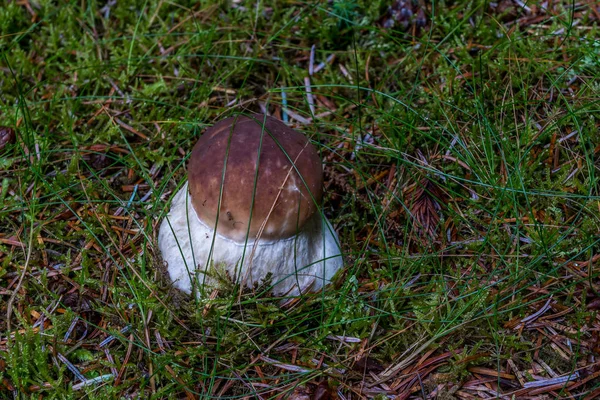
251, 207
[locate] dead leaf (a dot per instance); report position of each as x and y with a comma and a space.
7, 136
423, 200
322, 391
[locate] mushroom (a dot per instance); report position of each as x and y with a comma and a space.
251, 207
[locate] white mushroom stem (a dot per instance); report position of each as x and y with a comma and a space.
306, 261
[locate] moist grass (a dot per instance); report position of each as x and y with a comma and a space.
460, 143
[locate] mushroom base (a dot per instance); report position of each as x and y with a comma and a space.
304, 262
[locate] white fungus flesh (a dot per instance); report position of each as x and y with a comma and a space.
301, 263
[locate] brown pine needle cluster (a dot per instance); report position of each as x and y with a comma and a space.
424, 199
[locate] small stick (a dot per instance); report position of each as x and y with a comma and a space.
346, 73
135, 189
110, 359
309, 96
322, 65
93, 381
71, 367
111, 337
299, 118
553, 381
311, 63
284, 114
70, 330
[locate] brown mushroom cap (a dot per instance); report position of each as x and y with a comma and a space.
228, 152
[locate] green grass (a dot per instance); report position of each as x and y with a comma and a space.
461, 172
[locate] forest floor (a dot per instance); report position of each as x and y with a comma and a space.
461, 147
